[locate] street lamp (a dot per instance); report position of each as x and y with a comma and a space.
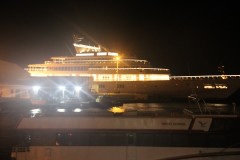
62, 88
117, 59
36, 90
77, 90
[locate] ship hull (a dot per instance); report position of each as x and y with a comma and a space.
127, 137
124, 153
212, 90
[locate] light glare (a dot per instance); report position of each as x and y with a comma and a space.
61, 87
61, 110
77, 110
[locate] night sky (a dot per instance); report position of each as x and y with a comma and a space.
188, 37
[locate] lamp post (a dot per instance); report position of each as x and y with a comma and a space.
63, 89
77, 91
117, 59
36, 90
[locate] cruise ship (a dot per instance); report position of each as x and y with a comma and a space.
109, 73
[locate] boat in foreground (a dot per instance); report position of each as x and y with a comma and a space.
137, 132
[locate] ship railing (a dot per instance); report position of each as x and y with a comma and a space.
156, 69
198, 106
197, 103
205, 77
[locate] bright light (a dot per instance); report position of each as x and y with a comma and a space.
61, 110
36, 89
117, 58
112, 54
102, 53
35, 111
77, 110
117, 109
77, 88
61, 87
85, 54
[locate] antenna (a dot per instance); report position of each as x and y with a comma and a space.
86, 34
221, 70
76, 39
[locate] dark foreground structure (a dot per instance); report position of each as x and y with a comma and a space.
139, 131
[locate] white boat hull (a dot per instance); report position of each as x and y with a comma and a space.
122, 153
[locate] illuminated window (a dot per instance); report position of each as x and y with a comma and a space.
216, 86
127, 77
209, 86
141, 77
112, 54
221, 86
102, 53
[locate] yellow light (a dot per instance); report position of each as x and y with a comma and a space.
117, 110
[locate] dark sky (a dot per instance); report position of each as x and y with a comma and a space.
188, 37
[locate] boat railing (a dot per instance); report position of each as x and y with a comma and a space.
196, 105
205, 77
155, 69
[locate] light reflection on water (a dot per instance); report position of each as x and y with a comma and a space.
163, 108
176, 107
